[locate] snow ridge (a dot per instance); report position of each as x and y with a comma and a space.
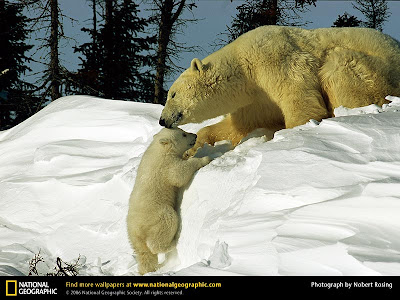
319, 199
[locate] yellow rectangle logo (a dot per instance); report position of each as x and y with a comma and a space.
11, 288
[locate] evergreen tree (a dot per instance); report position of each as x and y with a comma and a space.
54, 71
256, 13
48, 19
86, 80
131, 51
15, 104
118, 64
346, 20
375, 12
167, 16
108, 42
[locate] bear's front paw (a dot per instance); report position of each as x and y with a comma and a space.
189, 153
205, 160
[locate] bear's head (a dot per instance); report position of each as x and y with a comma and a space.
201, 92
176, 140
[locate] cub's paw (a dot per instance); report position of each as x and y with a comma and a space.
190, 153
205, 160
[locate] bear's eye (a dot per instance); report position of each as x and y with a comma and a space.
184, 134
173, 95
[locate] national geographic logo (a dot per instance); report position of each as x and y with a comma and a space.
11, 288
14, 288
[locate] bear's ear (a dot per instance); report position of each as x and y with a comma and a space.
196, 65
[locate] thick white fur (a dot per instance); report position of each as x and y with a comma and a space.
152, 219
278, 77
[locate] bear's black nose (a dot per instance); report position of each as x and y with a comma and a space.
162, 122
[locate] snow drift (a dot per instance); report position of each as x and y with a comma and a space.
319, 199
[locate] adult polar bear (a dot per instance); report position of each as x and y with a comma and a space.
278, 77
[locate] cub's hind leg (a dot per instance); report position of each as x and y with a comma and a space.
161, 236
147, 261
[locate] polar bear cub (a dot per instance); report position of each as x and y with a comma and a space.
152, 219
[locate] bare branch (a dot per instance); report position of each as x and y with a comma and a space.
178, 11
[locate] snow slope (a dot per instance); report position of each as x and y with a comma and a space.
319, 199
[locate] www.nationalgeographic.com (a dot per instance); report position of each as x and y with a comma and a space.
176, 285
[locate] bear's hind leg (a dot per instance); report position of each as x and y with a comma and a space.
147, 261
161, 236
354, 79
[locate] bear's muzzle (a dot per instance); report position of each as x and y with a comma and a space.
172, 122
162, 122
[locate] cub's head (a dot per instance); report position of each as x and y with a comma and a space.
197, 95
175, 140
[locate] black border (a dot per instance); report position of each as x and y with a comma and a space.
233, 286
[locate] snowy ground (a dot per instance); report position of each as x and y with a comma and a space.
319, 199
